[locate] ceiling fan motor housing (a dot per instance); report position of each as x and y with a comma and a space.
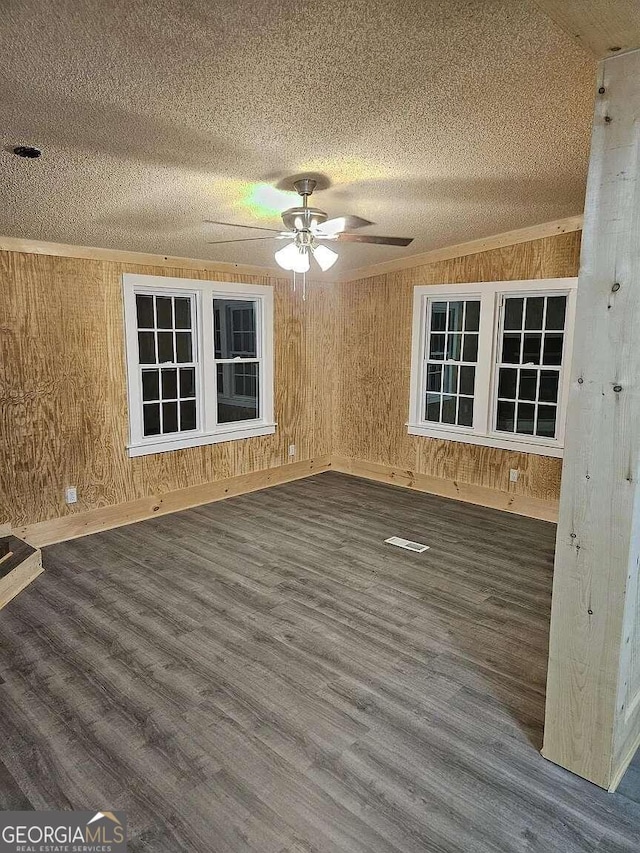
306, 214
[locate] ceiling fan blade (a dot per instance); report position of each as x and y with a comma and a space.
342, 223
239, 240
373, 238
238, 225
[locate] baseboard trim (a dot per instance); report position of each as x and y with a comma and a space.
93, 521
104, 518
467, 492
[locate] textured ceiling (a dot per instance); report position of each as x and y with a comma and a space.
445, 120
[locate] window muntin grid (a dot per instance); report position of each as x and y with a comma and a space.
450, 360
167, 363
529, 364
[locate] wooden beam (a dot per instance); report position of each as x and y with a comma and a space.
593, 691
604, 27
471, 247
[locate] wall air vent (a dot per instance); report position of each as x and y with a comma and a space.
407, 544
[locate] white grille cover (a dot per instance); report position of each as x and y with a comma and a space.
407, 544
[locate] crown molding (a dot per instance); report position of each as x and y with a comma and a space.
66, 250
472, 247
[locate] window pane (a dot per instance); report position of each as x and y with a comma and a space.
436, 347
151, 418
455, 316
546, 421
533, 315
240, 403
187, 382
235, 328
465, 410
433, 407
556, 308
513, 312
169, 417
434, 377
150, 385
183, 313
165, 347
531, 349
448, 409
187, 414
169, 384
524, 393
507, 382
450, 382
526, 414
506, 416
467, 380
183, 345
438, 316
549, 386
528, 384
147, 347
552, 348
164, 312
454, 347
472, 316
470, 348
144, 311
511, 348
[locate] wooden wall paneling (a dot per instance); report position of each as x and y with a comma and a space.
593, 691
342, 377
63, 390
374, 330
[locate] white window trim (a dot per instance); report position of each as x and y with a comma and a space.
207, 431
490, 294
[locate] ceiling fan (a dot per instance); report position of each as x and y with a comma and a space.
308, 228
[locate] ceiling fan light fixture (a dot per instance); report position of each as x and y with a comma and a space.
325, 257
302, 261
286, 257
292, 257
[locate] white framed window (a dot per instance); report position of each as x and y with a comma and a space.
199, 362
490, 363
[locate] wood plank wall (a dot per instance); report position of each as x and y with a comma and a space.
374, 359
342, 382
63, 408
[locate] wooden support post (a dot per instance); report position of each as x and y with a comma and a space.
592, 722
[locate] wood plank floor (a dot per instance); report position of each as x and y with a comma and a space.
265, 674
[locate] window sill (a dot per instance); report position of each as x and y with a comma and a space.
520, 444
165, 444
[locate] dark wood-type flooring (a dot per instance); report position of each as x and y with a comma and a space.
265, 674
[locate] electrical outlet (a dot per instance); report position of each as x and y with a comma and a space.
70, 495
513, 475
292, 450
